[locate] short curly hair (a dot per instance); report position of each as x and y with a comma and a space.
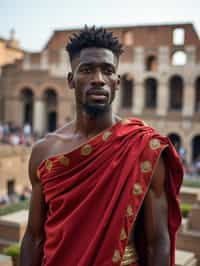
93, 37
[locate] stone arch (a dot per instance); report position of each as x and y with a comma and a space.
151, 63
16, 92
50, 99
176, 85
196, 147
179, 58
52, 85
127, 88
197, 95
176, 140
150, 85
27, 101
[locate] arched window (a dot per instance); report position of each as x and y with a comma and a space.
50, 99
27, 99
151, 63
128, 38
196, 148
197, 95
178, 36
176, 140
150, 93
179, 58
176, 93
127, 91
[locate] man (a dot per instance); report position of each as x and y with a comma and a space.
104, 190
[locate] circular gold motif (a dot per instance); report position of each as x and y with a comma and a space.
154, 144
48, 165
106, 135
125, 121
116, 257
137, 189
123, 235
129, 211
86, 149
64, 160
146, 166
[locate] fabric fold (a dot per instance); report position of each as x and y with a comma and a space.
95, 192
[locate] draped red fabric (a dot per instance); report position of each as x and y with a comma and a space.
95, 192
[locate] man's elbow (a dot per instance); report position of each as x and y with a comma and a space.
35, 239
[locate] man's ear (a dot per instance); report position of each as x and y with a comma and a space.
118, 81
70, 80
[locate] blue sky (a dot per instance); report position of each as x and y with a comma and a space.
34, 21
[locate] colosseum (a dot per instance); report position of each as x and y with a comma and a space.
160, 83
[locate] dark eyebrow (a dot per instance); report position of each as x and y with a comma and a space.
110, 66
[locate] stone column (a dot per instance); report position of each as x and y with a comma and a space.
66, 110
191, 55
188, 99
162, 98
138, 101
139, 61
39, 116
163, 59
44, 60
26, 62
13, 110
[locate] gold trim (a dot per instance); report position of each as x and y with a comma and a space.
48, 165
106, 135
129, 211
86, 150
116, 257
130, 255
64, 160
146, 166
137, 189
123, 234
154, 144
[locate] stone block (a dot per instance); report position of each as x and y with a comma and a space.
5, 260
12, 226
184, 258
189, 195
189, 240
194, 218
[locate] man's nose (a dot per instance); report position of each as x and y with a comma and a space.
97, 79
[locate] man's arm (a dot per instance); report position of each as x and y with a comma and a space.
156, 219
32, 244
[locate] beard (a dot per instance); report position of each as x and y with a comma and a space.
96, 109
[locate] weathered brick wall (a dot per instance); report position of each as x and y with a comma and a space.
13, 165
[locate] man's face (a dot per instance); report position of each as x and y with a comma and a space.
94, 79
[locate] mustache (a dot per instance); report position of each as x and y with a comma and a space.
97, 91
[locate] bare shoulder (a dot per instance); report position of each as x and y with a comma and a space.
38, 152
51, 144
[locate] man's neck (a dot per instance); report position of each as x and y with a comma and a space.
89, 126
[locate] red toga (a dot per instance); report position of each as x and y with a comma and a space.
95, 192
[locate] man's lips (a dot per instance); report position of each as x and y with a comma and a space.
97, 95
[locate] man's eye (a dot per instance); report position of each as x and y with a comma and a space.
86, 70
108, 71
